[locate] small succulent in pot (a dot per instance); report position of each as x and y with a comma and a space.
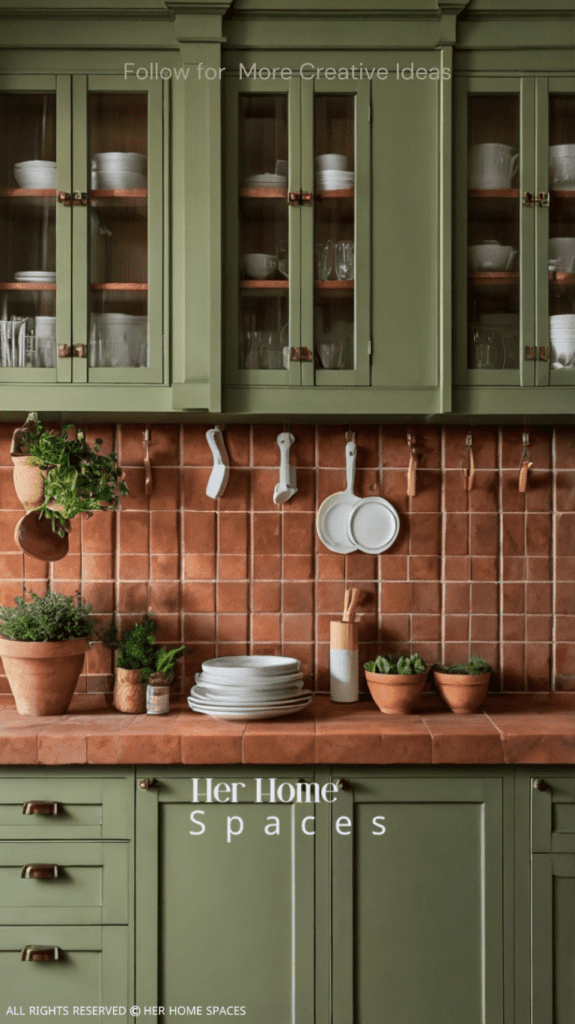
396, 683
163, 673
463, 687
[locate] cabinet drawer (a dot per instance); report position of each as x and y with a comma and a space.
83, 883
552, 813
65, 808
92, 968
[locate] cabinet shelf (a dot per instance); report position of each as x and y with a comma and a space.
279, 285
263, 193
494, 276
336, 193
27, 286
119, 286
493, 193
335, 285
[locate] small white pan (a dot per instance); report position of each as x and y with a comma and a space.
372, 525
333, 514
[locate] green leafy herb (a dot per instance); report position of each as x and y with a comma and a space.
387, 665
52, 617
77, 477
474, 667
165, 659
135, 648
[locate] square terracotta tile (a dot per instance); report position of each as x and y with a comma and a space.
237, 439
456, 628
164, 598
165, 488
425, 533
8, 499
265, 596
232, 533
424, 567
484, 534
195, 448
265, 627
231, 628
484, 440
233, 596
98, 532
428, 496
237, 495
330, 597
266, 533
233, 567
199, 597
134, 567
132, 598
164, 532
298, 567
297, 628
164, 567
199, 532
97, 567
194, 483
392, 567
457, 598
200, 567
263, 483
298, 532
455, 498
267, 567
484, 496
297, 597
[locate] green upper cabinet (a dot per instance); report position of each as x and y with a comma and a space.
515, 244
82, 272
332, 206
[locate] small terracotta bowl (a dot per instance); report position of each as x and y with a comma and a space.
464, 694
396, 695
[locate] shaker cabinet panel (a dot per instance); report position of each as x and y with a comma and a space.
417, 901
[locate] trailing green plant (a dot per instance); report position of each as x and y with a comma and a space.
387, 665
136, 647
474, 667
78, 478
48, 618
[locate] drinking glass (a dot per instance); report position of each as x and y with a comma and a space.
344, 254
324, 255
271, 351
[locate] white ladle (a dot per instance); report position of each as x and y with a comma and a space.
287, 486
219, 476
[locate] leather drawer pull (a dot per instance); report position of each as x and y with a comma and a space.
40, 953
39, 807
39, 871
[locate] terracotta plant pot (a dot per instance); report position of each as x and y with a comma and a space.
464, 694
43, 674
28, 482
129, 692
396, 695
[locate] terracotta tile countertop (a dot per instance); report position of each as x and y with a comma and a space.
511, 729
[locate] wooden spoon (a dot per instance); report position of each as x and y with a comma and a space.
35, 536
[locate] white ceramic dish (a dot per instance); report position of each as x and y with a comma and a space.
333, 513
373, 525
35, 174
117, 178
257, 684
251, 665
246, 704
127, 161
248, 716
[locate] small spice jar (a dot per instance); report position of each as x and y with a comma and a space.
157, 699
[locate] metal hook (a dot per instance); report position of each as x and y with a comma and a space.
147, 463
525, 465
350, 434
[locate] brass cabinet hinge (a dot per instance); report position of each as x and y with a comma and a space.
529, 353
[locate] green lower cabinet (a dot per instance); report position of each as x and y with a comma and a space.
553, 938
224, 900
87, 967
417, 901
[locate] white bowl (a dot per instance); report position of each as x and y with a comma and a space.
259, 266
118, 179
35, 174
252, 665
331, 162
491, 256
119, 161
562, 249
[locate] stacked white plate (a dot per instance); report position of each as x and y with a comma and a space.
562, 338
250, 687
329, 181
118, 170
35, 276
265, 181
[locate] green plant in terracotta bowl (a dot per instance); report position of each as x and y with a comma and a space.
463, 687
396, 683
43, 641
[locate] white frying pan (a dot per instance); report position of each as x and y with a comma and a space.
372, 525
333, 514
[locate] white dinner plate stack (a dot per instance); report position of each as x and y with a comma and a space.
331, 181
265, 181
562, 338
250, 687
35, 276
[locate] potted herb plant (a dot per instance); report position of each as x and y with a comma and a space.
160, 680
59, 476
396, 683
463, 687
43, 641
135, 659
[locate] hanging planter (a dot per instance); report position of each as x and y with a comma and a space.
57, 478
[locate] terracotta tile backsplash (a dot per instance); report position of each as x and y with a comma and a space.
489, 572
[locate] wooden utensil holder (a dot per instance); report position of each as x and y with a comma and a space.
343, 662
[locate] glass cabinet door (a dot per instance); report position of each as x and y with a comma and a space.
494, 242
298, 192
555, 293
34, 159
262, 236
118, 321
338, 151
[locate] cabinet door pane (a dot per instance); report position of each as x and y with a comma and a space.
493, 301
119, 229
28, 235
561, 250
334, 231
264, 235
